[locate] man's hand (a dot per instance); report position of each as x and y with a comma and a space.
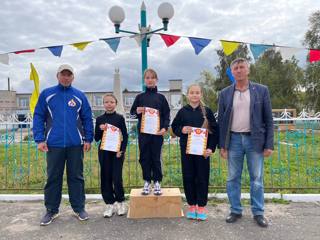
43, 147
267, 152
86, 146
140, 110
186, 129
224, 153
208, 153
161, 132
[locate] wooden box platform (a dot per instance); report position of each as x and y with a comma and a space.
167, 205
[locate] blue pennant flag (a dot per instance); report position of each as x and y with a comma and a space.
229, 74
56, 50
112, 42
258, 49
199, 43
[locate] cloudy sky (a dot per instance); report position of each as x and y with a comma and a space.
29, 24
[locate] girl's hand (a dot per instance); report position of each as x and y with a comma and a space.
103, 127
119, 154
208, 153
186, 129
162, 132
140, 110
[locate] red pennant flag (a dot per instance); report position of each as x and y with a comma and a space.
314, 55
169, 39
25, 51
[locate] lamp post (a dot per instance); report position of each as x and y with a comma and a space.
165, 12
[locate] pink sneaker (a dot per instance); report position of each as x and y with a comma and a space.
202, 213
191, 212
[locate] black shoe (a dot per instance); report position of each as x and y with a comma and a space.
82, 215
261, 220
48, 218
233, 217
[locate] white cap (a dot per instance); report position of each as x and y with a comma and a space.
65, 67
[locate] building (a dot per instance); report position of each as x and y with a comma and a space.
12, 102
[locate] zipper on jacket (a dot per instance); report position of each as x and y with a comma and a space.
64, 116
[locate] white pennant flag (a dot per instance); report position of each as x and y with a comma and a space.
4, 58
287, 52
138, 38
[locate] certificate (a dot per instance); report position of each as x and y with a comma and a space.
197, 141
150, 121
111, 139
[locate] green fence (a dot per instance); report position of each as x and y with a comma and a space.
293, 167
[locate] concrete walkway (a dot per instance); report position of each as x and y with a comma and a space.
20, 220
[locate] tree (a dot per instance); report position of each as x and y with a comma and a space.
222, 79
311, 81
281, 77
210, 96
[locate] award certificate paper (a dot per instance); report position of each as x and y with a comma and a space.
197, 141
150, 121
111, 139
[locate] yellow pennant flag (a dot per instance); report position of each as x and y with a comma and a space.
81, 45
229, 47
35, 94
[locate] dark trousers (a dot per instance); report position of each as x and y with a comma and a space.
57, 158
111, 177
150, 156
195, 173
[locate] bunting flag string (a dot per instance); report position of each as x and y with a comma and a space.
198, 44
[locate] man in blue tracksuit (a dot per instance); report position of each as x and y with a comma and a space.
63, 128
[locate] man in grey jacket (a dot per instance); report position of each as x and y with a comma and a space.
245, 129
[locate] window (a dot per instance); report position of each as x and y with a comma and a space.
98, 101
24, 102
128, 101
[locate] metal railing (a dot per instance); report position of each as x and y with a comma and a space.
294, 165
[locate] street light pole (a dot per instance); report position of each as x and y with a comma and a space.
165, 12
144, 49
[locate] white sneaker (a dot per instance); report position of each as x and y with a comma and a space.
146, 188
109, 211
122, 209
157, 188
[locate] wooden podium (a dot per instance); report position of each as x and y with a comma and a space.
167, 205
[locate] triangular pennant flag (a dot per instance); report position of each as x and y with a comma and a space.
56, 50
81, 45
287, 52
229, 74
314, 55
229, 47
258, 49
4, 58
199, 43
138, 38
169, 39
25, 51
35, 94
113, 43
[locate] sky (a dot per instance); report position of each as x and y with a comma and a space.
32, 24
